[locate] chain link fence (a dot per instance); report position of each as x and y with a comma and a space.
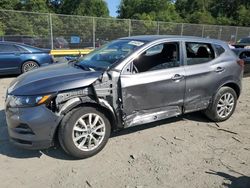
70, 31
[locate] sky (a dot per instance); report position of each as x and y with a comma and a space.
112, 5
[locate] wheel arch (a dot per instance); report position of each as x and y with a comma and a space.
91, 103
106, 111
234, 86
26, 60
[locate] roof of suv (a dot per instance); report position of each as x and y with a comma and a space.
150, 38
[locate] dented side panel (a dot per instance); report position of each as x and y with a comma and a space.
154, 93
199, 82
148, 116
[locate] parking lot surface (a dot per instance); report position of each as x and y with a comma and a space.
186, 151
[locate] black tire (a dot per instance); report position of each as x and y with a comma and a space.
26, 63
66, 130
212, 113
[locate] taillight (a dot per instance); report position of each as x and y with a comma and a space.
241, 63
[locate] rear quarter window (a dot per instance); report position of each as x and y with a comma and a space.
219, 49
199, 53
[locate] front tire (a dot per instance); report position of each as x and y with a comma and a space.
223, 105
84, 132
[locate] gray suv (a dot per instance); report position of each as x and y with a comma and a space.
127, 82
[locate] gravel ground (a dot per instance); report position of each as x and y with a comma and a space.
187, 151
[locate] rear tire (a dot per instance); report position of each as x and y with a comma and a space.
84, 132
223, 105
29, 65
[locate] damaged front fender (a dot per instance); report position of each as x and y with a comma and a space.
67, 101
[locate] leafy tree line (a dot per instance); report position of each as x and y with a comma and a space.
76, 7
221, 12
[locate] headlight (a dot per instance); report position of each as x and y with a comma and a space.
27, 101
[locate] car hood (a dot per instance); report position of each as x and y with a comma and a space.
52, 79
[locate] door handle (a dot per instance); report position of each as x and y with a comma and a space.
177, 77
219, 69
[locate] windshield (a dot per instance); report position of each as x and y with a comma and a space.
245, 40
110, 53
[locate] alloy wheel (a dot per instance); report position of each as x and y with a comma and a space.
225, 105
28, 66
88, 132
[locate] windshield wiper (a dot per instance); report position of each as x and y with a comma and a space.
75, 60
82, 66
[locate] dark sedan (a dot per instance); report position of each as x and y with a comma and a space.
244, 54
18, 58
242, 43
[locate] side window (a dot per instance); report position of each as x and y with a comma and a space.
21, 49
7, 48
219, 49
161, 56
198, 53
154, 50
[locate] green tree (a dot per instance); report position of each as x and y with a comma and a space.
243, 17
222, 12
158, 10
223, 20
85, 8
33, 6
188, 7
25, 5
9, 5
16, 23
201, 17
233, 12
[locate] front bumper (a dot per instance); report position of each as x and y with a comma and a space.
32, 128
